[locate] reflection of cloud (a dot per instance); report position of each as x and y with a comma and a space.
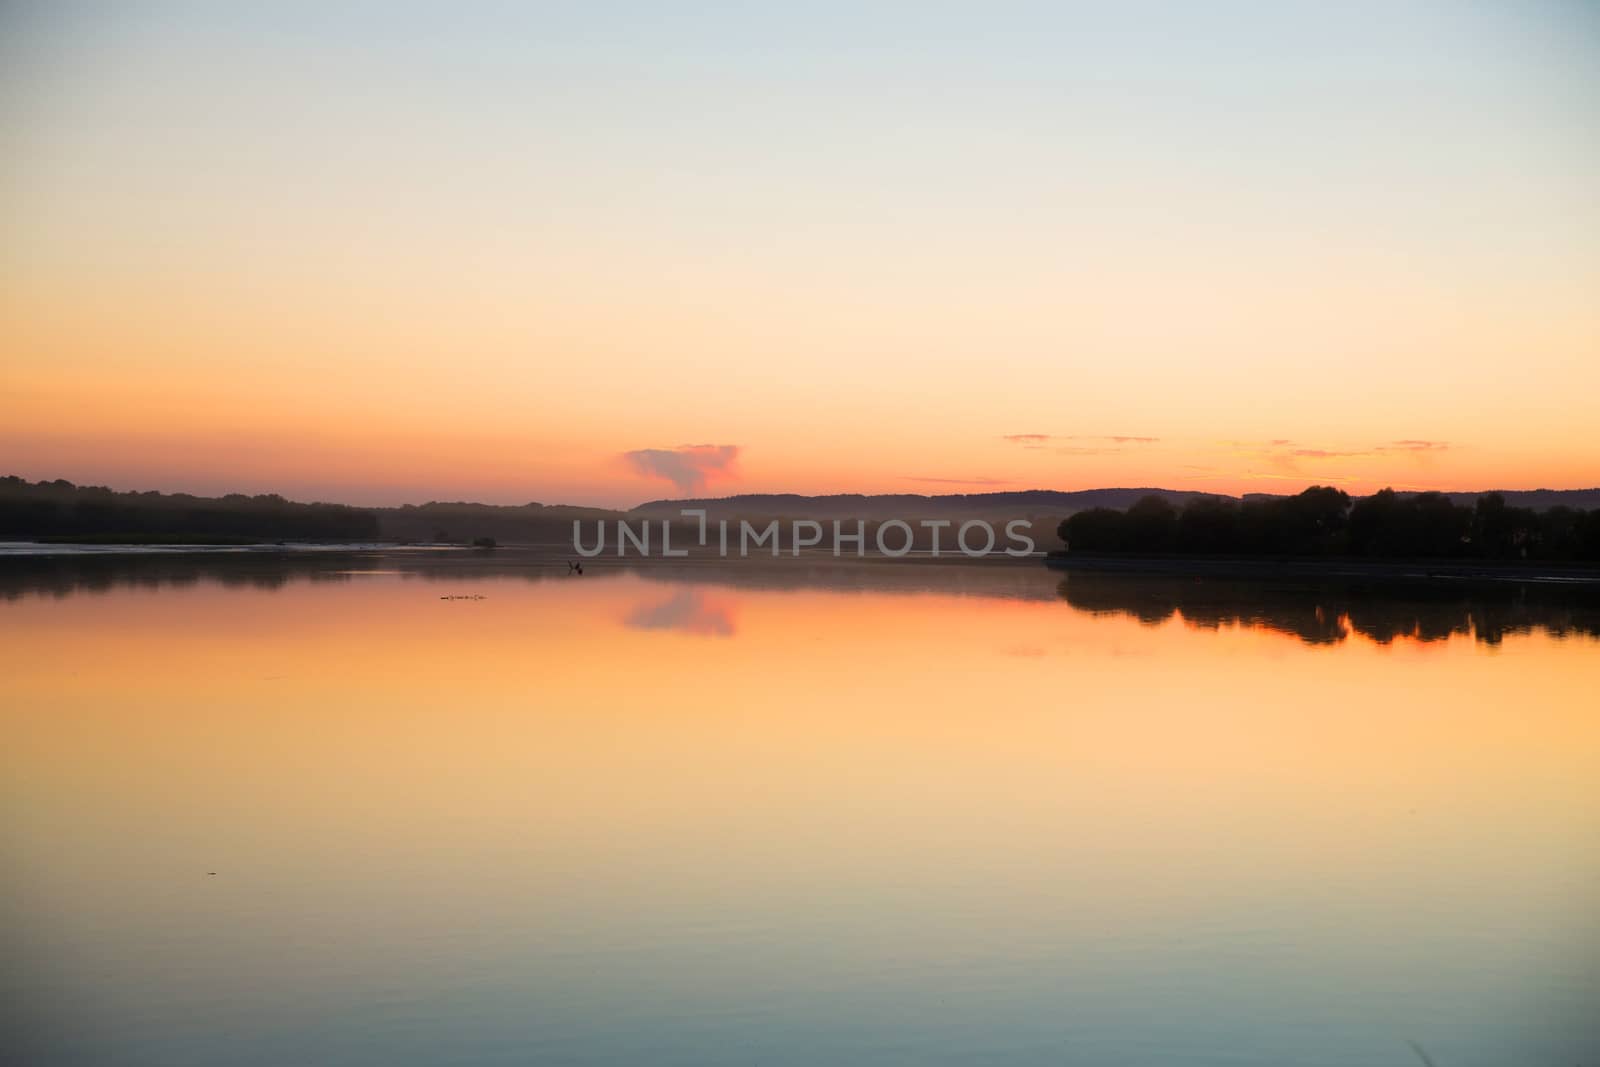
959, 481
687, 466
686, 611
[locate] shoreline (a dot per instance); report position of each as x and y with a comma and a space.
1434, 571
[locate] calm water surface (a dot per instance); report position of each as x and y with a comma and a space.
789, 814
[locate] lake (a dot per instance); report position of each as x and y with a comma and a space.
395, 809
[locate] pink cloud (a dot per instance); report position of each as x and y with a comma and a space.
688, 467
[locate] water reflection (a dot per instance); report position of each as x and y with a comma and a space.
1317, 613
64, 575
471, 810
1328, 613
686, 610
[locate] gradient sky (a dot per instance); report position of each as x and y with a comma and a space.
398, 252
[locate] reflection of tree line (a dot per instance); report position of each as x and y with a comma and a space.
1321, 612
89, 572
64, 575
60, 575
1327, 613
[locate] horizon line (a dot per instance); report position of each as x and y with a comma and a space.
666, 500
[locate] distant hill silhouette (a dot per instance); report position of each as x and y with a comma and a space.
60, 510
460, 522
1028, 501
1042, 508
913, 505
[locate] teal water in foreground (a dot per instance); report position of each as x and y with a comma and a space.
390, 809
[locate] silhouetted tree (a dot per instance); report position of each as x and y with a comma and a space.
1151, 525
1440, 528
1504, 532
1373, 524
1324, 521
1094, 530
1315, 519
1589, 535
1209, 525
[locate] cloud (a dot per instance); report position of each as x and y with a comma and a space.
1039, 440
688, 467
1411, 447
1285, 456
959, 481
1324, 453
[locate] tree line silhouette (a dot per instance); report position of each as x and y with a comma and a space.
1322, 521
60, 511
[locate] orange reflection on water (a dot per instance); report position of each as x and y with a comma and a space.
630, 753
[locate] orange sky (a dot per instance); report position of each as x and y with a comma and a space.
912, 254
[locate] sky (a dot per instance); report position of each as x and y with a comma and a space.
605, 253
